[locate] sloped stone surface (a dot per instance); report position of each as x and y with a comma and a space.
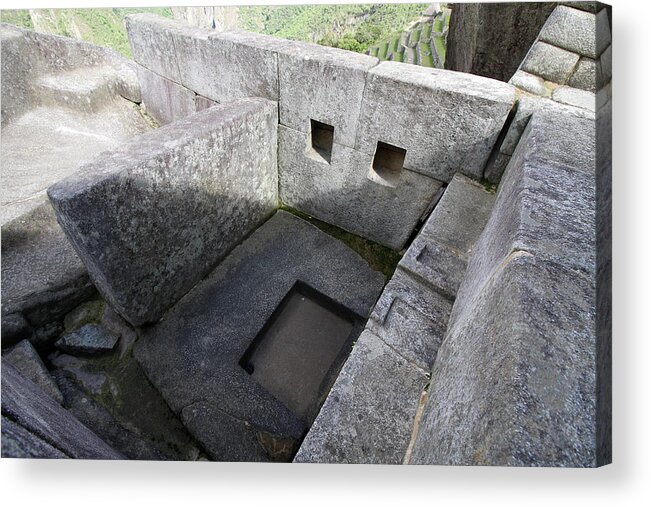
91, 339
17, 442
26, 359
573, 30
164, 100
35, 411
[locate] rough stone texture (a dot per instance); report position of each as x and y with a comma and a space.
26, 359
152, 217
102, 423
495, 168
447, 121
42, 277
529, 83
242, 64
519, 355
575, 97
192, 356
492, 39
29, 56
526, 107
202, 103
17, 442
86, 313
91, 339
323, 84
573, 30
151, 38
164, 100
29, 406
587, 75
411, 318
77, 368
512, 385
549, 62
342, 194
376, 388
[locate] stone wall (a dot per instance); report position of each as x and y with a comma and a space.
514, 382
362, 145
154, 216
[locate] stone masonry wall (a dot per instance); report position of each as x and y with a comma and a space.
363, 145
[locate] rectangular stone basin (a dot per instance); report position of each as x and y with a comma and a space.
300, 350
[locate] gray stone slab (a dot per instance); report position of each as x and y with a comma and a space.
575, 97
529, 83
90, 339
80, 370
495, 168
201, 103
152, 217
193, 355
229, 65
164, 100
369, 414
411, 318
29, 406
342, 194
572, 29
606, 61
550, 62
26, 359
42, 277
323, 84
151, 38
447, 121
526, 396
17, 442
587, 75
460, 215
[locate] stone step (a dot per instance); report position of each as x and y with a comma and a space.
86, 89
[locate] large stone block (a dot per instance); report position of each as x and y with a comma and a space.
229, 65
514, 381
151, 38
369, 414
550, 62
28, 405
26, 359
340, 192
164, 100
17, 442
151, 218
323, 84
574, 30
446, 121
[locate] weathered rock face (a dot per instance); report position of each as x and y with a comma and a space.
44, 421
151, 218
492, 39
26, 359
519, 355
91, 339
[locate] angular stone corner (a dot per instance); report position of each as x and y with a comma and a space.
323, 84
26, 359
573, 30
152, 217
447, 121
550, 62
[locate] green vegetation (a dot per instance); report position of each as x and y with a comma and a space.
379, 257
352, 27
17, 17
104, 27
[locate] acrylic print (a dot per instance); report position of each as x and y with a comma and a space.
310, 234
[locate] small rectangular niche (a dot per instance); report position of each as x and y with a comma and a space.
298, 353
387, 164
321, 139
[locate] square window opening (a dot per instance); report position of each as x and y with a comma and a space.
387, 164
321, 139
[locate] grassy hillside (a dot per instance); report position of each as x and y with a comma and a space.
104, 27
353, 27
